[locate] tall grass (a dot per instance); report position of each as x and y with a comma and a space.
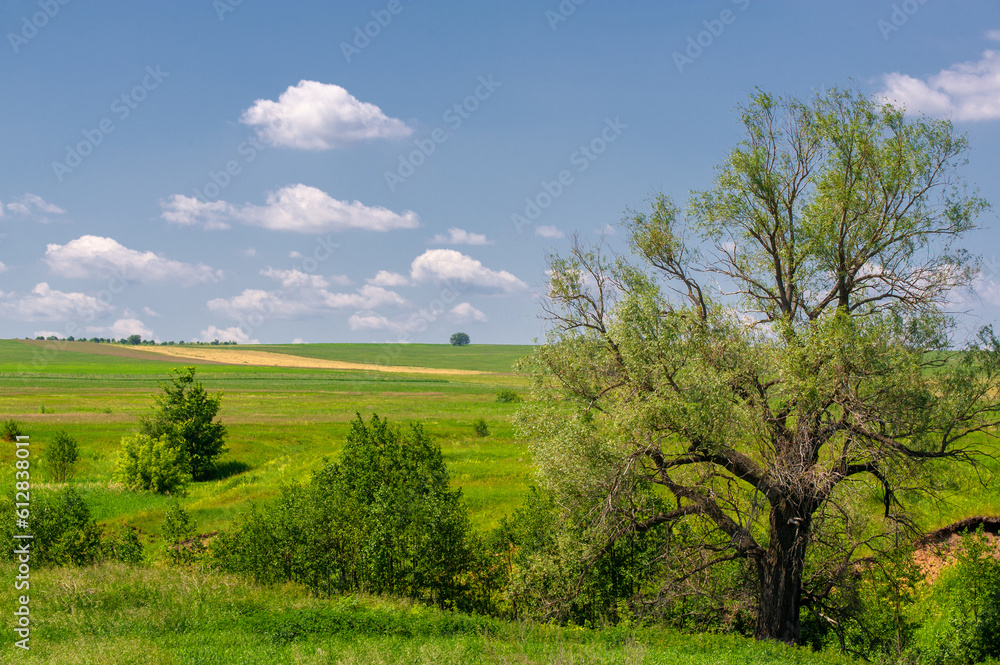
115, 614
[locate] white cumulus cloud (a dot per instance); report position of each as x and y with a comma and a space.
320, 116
464, 312
439, 265
299, 208
233, 334
386, 278
122, 328
457, 236
95, 256
47, 304
301, 296
964, 91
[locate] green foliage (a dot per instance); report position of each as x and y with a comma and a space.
480, 427
123, 546
960, 617
60, 455
10, 430
873, 610
382, 520
460, 339
186, 411
507, 396
178, 528
153, 464
768, 414
63, 530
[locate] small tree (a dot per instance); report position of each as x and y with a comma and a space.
459, 339
154, 464
60, 456
10, 430
186, 411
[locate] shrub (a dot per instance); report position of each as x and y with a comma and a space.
186, 411
10, 430
961, 614
155, 464
62, 528
507, 396
124, 546
60, 455
381, 520
179, 527
480, 427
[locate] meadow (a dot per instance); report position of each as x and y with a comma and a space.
283, 422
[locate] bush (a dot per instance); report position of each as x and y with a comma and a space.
124, 546
62, 528
60, 456
155, 464
380, 520
186, 411
480, 427
178, 527
506, 396
961, 614
10, 430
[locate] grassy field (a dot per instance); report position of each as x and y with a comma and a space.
117, 615
282, 423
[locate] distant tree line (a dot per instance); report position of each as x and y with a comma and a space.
131, 340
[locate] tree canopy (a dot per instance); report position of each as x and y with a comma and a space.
460, 339
774, 367
186, 412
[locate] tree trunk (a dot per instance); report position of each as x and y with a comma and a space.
780, 573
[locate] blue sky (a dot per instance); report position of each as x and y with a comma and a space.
269, 172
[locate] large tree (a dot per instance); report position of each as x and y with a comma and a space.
770, 363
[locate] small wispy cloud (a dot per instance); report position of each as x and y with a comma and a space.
457, 236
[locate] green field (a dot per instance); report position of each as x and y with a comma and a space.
282, 423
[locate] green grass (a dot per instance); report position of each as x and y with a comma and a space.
116, 615
282, 423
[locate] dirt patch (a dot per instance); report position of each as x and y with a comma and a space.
233, 356
941, 548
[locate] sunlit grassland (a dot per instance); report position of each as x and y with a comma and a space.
115, 614
282, 424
